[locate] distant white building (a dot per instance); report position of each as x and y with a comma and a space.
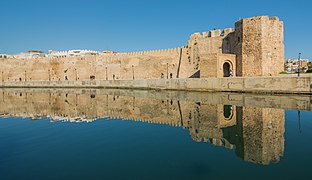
70, 53
30, 54
33, 54
4, 56
293, 65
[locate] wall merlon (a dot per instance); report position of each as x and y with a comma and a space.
205, 34
215, 33
275, 18
227, 31
196, 35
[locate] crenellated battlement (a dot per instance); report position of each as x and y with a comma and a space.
154, 52
212, 33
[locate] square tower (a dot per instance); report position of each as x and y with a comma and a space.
259, 46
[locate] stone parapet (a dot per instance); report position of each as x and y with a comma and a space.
275, 85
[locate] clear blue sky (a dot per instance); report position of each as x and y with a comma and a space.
124, 25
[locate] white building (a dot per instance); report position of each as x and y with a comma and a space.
31, 54
293, 65
4, 56
70, 53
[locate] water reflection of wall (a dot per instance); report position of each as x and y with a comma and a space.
256, 134
263, 134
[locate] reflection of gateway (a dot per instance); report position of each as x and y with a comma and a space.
256, 133
228, 112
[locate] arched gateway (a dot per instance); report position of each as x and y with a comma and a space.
227, 70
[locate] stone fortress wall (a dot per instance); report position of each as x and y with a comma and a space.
137, 65
254, 48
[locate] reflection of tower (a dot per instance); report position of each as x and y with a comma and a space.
263, 131
258, 135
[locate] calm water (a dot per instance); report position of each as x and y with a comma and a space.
115, 134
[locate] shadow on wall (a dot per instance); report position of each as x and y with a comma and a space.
196, 75
228, 43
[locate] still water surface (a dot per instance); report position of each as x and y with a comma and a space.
106, 134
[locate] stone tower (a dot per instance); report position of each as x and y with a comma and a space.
259, 46
254, 48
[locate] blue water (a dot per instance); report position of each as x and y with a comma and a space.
119, 149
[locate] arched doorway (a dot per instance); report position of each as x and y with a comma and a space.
227, 71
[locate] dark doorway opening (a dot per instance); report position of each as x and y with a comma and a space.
228, 112
227, 71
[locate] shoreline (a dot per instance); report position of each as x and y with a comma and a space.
255, 85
